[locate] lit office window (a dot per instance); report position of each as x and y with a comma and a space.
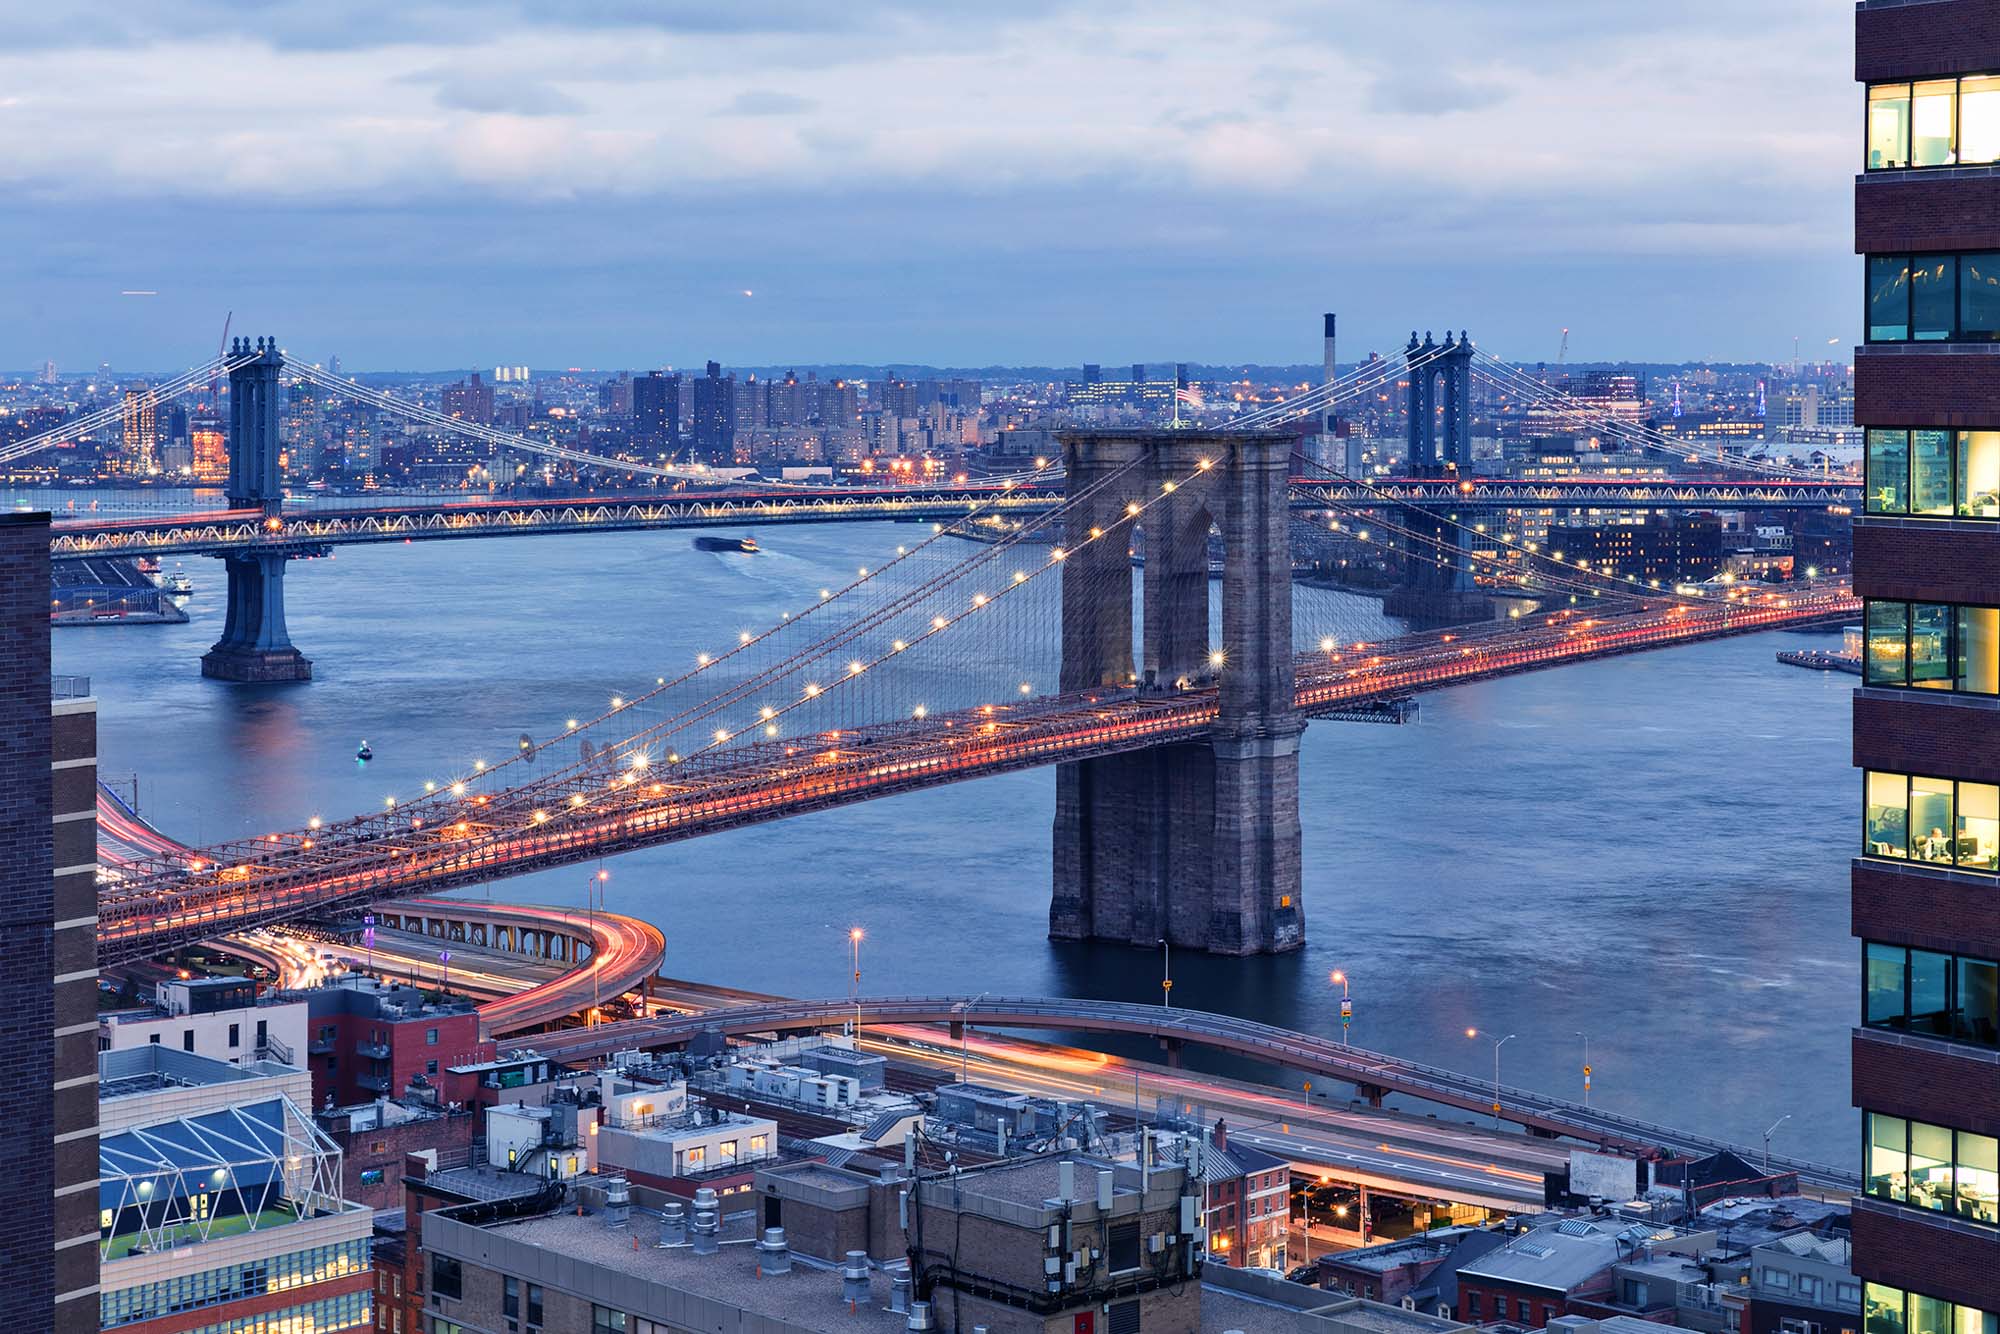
1888, 126
1979, 474
1931, 473
1979, 119
1886, 821
1932, 116
1977, 841
1885, 1171
1931, 819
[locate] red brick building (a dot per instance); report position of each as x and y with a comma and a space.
1926, 1234
369, 1040
1249, 1203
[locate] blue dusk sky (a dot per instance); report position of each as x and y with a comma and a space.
423, 184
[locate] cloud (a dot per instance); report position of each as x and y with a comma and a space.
504, 97
768, 102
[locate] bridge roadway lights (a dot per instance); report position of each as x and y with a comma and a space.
1196, 843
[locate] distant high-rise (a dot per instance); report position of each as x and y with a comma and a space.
48, 372
1138, 372
470, 400
1927, 565
1093, 373
656, 414
209, 446
714, 436
142, 431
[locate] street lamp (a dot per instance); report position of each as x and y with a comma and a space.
1498, 1043
1586, 1065
596, 886
854, 983
444, 986
1346, 1003
964, 1009
1166, 973
1767, 1140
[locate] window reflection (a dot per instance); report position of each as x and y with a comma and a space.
1885, 1169
1930, 646
1930, 472
1888, 471
1886, 656
1933, 297
1888, 298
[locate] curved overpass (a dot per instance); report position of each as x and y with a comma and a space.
1293, 1050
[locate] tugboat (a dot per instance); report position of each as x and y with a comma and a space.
364, 753
746, 545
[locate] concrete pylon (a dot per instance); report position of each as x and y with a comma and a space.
255, 646
1198, 843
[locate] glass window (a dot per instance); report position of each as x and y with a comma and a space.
1929, 1315
1979, 297
1978, 119
1932, 117
1887, 658
1979, 650
1888, 298
1930, 819
1979, 1001
1978, 1176
1972, 1320
1978, 835
1888, 471
1888, 126
1979, 474
1886, 824
1930, 473
1930, 645
1930, 993
1882, 969
1885, 1169
1882, 1309
1933, 298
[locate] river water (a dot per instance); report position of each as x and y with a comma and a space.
1649, 850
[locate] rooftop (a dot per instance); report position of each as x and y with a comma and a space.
148, 1069
485, 1183
1556, 1258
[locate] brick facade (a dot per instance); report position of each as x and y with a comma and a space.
1926, 38
27, 937
1926, 560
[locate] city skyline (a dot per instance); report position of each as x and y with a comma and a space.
1059, 186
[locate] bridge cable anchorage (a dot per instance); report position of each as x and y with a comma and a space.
1512, 379
618, 808
78, 427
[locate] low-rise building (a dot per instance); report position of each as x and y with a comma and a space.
1247, 1202
219, 1204
370, 1039
1803, 1283
218, 1017
1548, 1271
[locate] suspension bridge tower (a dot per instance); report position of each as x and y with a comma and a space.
1438, 587
1196, 844
255, 646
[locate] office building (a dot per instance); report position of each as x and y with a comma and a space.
141, 436
714, 435
1926, 735
656, 415
218, 1202
48, 932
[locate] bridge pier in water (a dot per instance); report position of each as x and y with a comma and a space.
255, 646
1196, 844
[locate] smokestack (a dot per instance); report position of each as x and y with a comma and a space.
1221, 1133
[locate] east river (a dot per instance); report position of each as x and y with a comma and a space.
1648, 850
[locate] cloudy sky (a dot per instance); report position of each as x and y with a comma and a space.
433, 183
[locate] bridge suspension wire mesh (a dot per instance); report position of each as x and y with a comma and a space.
1511, 379
113, 414
1369, 375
